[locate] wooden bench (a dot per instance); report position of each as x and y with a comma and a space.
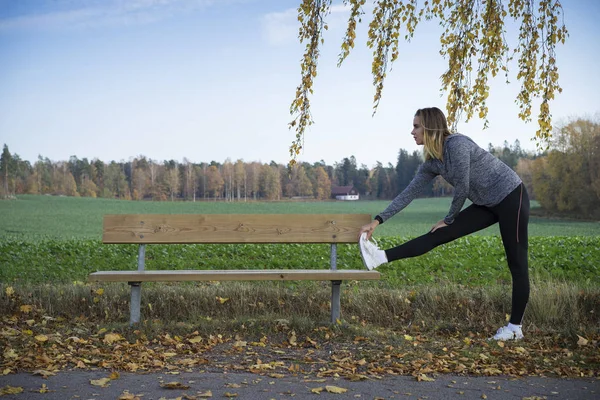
232, 228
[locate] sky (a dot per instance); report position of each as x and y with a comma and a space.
209, 80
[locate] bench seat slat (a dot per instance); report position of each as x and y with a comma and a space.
232, 275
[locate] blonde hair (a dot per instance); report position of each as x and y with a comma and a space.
435, 131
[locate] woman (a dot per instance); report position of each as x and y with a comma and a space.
497, 194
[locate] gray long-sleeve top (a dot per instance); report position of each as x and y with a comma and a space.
475, 174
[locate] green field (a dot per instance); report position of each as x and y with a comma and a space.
31, 218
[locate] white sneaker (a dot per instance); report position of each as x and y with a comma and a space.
371, 254
506, 333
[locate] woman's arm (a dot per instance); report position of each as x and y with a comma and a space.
415, 187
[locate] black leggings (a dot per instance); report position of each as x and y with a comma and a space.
513, 216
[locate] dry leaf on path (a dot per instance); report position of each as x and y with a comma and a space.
11, 390
104, 382
43, 373
424, 378
174, 385
335, 389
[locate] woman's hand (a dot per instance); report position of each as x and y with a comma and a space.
438, 225
369, 229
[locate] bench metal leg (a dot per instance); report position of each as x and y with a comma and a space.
335, 287
136, 289
136, 300
335, 301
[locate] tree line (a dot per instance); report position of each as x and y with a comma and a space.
564, 178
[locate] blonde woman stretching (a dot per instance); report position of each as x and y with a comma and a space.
497, 195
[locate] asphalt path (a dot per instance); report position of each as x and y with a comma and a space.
151, 386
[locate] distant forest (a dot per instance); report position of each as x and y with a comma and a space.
563, 178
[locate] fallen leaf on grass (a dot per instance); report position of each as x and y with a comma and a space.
110, 338
9, 291
104, 382
26, 308
11, 390
196, 339
41, 338
175, 385
582, 341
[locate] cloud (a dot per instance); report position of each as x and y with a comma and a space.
98, 13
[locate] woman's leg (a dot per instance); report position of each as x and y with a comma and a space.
471, 219
513, 217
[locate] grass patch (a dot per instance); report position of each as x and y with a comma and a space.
32, 218
478, 260
560, 307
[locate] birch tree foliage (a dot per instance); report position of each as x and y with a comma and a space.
473, 42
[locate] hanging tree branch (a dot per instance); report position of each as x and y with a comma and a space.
474, 34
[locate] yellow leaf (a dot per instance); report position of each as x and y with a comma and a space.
196, 339
483, 396
110, 338
424, 378
227, 394
582, 341
169, 354
277, 375
240, 343
127, 396
28, 332
222, 299
114, 375
43, 373
10, 353
100, 292
9, 291
96, 300
101, 331
206, 394
408, 337
335, 389
6, 371
30, 322
317, 390
175, 385
26, 308
520, 350
41, 338
292, 339
11, 390
104, 382
43, 389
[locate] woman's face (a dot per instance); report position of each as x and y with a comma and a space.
418, 131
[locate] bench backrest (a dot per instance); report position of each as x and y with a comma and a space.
233, 228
